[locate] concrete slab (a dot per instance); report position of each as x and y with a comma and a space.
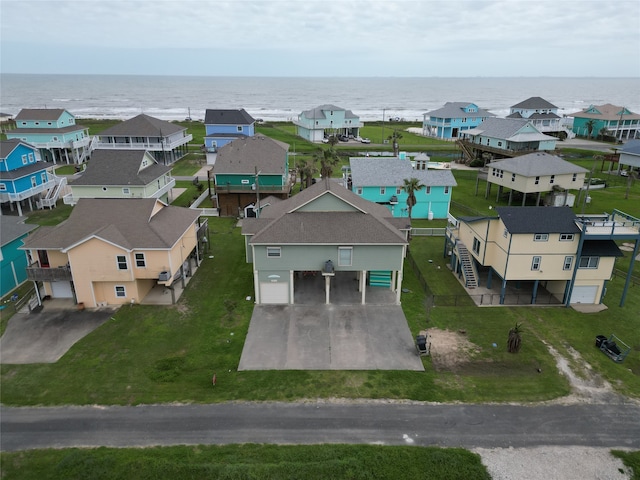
329, 337
44, 337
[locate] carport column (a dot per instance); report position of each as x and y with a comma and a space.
327, 287
291, 287
256, 286
363, 285
399, 287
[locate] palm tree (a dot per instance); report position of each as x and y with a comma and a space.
328, 158
307, 168
394, 137
411, 186
332, 140
515, 340
591, 125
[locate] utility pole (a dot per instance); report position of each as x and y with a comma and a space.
257, 184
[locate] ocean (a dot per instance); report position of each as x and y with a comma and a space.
282, 99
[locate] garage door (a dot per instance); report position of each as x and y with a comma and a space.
584, 294
274, 292
61, 290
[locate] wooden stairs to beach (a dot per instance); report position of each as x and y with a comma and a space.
466, 263
466, 151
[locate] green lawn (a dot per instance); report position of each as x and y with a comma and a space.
248, 461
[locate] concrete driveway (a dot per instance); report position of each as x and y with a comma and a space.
329, 337
44, 337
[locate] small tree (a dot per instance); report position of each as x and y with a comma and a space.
307, 168
514, 340
411, 186
591, 125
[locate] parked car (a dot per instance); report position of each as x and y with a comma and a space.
343, 138
365, 140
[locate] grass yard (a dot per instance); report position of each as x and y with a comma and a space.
246, 461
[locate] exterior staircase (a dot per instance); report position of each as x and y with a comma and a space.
466, 151
52, 195
468, 268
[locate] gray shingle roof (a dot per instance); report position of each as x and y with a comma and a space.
13, 227
632, 147
8, 146
67, 129
243, 155
227, 117
286, 223
142, 126
607, 112
455, 110
532, 103
28, 169
318, 112
538, 219
120, 167
49, 114
507, 129
537, 164
391, 172
535, 116
128, 223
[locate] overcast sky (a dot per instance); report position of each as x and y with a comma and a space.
322, 37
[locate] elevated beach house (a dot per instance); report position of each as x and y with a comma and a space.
630, 156
497, 138
54, 132
24, 179
13, 261
452, 118
541, 114
616, 121
545, 251
248, 168
326, 120
122, 174
113, 251
323, 234
224, 126
166, 141
381, 180
535, 174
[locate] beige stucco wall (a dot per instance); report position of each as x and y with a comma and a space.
528, 184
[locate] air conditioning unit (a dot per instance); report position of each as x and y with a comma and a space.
394, 200
164, 276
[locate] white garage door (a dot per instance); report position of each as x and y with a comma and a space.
274, 292
61, 290
584, 294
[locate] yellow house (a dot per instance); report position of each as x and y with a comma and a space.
114, 251
549, 247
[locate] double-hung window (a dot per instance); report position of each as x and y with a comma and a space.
274, 252
122, 262
535, 262
121, 292
568, 261
345, 256
140, 260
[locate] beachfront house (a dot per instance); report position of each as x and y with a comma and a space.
13, 261
543, 115
497, 138
113, 251
247, 168
535, 173
327, 120
24, 179
325, 234
122, 174
607, 119
224, 126
381, 180
166, 141
454, 117
54, 132
547, 254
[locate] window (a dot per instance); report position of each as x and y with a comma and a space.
122, 262
398, 190
513, 177
575, 177
537, 180
505, 232
552, 179
383, 190
359, 190
140, 260
499, 144
120, 291
589, 262
239, 128
126, 191
3, 187
476, 246
428, 190
31, 158
535, 263
566, 237
446, 190
24, 159
274, 252
43, 175
541, 237
345, 256
568, 261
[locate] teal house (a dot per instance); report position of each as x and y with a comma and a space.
453, 118
380, 180
617, 121
249, 168
54, 132
325, 240
23, 178
315, 124
13, 261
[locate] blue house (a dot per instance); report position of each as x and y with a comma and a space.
13, 262
53, 131
23, 178
325, 120
224, 126
453, 118
380, 180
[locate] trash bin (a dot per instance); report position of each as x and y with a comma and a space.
599, 340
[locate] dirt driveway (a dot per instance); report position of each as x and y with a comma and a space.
44, 337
